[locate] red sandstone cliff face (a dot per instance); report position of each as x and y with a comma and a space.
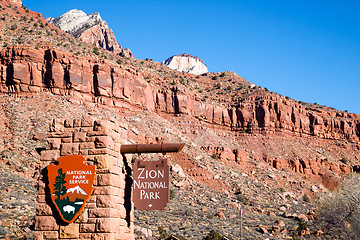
102, 36
30, 70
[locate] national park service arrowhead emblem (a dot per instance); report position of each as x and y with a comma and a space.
71, 184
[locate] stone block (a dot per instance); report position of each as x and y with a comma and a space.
111, 180
46, 223
71, 130
40, 187
66, 140
104, 142
60, 134
43, 209
90, 139
38, 235
96, 133
107, 190
57, 125
77, 122
69, 149
104, 236
105, 213
90, 205
51, 235
100, 151
40, 198
104, 161
68, 123
79, 136
70, 231
122, 212
92, 199
87, 228
49, 155
86, 121
85, 236
83, 217
107, 201
44, 164
103, 125
86, 129
87, 145
109, 225
84, 152
91, 221
53, 143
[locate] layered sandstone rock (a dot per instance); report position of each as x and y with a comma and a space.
27, 69
186, 63
91, 29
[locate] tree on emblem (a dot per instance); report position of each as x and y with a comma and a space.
59, 185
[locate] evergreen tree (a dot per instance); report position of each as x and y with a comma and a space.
59, 185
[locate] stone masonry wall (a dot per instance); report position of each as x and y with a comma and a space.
109, 212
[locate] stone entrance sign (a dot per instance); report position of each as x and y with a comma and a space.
151, 189
71, 184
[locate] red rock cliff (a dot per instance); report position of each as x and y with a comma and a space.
31, 70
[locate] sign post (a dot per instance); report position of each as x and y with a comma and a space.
151, 190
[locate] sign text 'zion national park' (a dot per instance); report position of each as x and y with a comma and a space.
151, 184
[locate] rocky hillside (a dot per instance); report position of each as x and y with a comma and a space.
244, 144
186, 63
90, 29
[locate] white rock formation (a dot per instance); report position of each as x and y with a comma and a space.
16, 2
75, 20
90, 28
186, 63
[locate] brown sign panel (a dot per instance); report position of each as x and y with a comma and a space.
151, 190
71, 184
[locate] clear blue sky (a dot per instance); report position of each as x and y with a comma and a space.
307, 50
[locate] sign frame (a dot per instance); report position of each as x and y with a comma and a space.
151, 184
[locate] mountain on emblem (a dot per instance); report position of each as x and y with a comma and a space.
77, 189
71, 184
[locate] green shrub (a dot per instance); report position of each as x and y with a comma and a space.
302, 225
162, 232
172, 194
214, 235
215, 156
96, 51
306, 198
344, 160
241, 197
295, 236
13, 27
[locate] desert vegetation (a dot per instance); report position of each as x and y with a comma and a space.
339, 210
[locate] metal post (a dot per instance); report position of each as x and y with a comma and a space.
241, 215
